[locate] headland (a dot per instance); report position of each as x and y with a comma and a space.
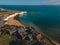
23, 32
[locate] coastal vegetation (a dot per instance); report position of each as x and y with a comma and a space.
16, 34
7, 12
14, 40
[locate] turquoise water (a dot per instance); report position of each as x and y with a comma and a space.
47, 18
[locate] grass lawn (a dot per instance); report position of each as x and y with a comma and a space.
4, 37
9, 12
4, 42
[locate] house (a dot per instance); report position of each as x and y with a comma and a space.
37, 43
39, 36
1, 23
1, 32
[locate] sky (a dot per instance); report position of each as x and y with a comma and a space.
29, 2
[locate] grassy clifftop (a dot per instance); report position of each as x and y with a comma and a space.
8, 12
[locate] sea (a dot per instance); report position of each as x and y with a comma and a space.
46, 18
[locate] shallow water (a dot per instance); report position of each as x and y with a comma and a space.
47, 18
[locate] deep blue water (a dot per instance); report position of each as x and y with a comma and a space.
47, 18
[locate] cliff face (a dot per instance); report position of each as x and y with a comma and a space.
27, 34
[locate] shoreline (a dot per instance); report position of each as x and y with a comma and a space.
14, 21
16, 18
51, 41
10, 20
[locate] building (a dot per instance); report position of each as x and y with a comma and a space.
1, 23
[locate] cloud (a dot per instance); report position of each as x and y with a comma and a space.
51, 2
34, 2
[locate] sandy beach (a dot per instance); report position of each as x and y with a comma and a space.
10, 20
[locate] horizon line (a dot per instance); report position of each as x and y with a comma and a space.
14, 4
